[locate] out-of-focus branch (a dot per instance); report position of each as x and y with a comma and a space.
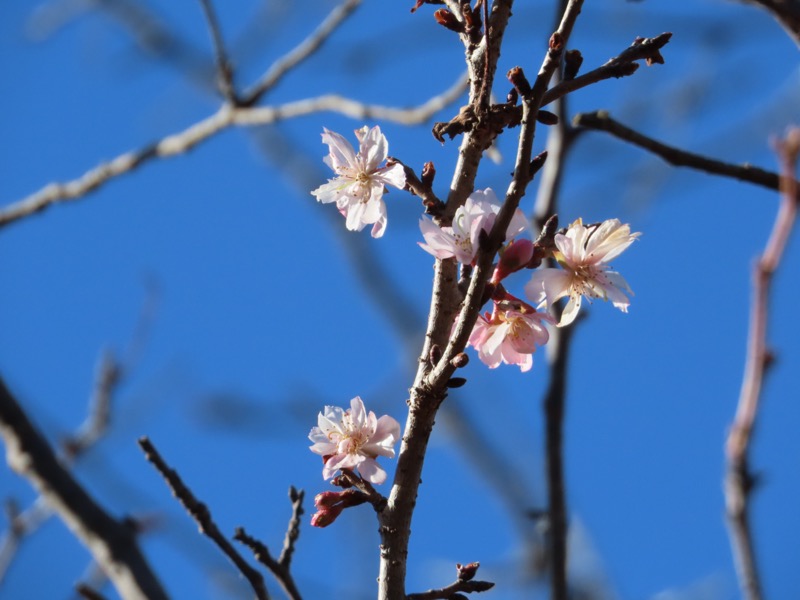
300, 53
84, 591
554, 406
202, 516
560, 140
227, 116
786, 12
112, 543
110, 373
602, 121
740, 481
224, 68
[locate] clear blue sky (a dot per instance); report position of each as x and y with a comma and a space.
261, 318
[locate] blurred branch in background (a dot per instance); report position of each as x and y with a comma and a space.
740, 481
111, 542
236, 111
111, 372
786, 12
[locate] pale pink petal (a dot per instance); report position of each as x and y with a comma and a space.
570, 310
548, 285
341, 152
372, 471
394, 176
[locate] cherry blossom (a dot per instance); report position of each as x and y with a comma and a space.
510, 334
460, 241
360, 183
583, 252
352, 439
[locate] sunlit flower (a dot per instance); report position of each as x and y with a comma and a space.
583, 253
352, 439
510, 334
360, 183
461, 240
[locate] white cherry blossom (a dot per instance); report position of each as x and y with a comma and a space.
460, 241
353, 438
360, 183
584, 252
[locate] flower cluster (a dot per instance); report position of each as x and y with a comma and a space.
353, 439
360, 183
510, 332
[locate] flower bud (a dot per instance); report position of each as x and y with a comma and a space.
573, 59
517, 78
428, 173
325, 500
513, 258
537, 162
545, 117
512, 97
323, 518
467, 572
460, 360
456, 382
447, 19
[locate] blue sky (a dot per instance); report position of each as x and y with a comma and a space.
261, 319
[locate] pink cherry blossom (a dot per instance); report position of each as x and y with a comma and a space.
352, 439
583, 252
510, 335
460, 241
360, 183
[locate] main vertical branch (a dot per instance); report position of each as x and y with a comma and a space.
426, 395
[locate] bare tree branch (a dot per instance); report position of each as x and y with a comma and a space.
224, 68
112, 543
202, 516
279, 568
300, 53
227, 116
740, 481
602, 121
110, 373
786, 12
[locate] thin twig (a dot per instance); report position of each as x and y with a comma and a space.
112, 543
300, 53
602, 121
227, 116
622, 65
261, 554
202, 516
293, 530
224, 68
740, 481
